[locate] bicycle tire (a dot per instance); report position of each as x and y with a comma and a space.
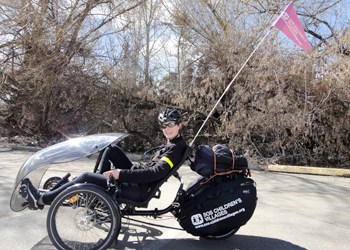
83, 217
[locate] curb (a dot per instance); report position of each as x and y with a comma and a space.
15, 147
309, 170
339, 172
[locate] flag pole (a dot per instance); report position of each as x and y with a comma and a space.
228, 87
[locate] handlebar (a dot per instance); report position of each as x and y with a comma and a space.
112, 184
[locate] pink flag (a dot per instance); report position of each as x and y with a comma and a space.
290, 25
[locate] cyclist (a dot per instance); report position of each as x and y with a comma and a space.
136, 181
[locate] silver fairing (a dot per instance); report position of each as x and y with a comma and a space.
70, 150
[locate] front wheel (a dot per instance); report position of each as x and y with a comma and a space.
51, 182
83, 217
222, 236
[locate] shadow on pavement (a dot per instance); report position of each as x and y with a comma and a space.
240, 242
143, 237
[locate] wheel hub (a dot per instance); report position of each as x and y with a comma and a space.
84, 220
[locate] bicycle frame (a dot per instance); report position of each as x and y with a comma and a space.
130, 211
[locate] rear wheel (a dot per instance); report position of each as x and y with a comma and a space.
83, 217
222, 236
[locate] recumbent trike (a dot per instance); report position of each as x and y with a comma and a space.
86, 216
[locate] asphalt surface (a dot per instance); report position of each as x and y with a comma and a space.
294, 211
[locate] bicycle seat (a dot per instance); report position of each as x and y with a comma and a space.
153, 191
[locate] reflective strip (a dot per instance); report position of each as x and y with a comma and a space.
167, 160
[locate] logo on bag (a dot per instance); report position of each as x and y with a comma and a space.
197, 219
217, 214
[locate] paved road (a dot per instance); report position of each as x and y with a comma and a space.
293, 212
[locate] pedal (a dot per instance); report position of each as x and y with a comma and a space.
22, 192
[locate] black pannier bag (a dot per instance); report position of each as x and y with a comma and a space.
219, 159
218, 206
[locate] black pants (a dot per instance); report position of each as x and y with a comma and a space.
92, 178
114, 154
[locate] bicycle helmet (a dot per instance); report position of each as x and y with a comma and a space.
170, 114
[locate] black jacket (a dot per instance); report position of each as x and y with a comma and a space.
159, 166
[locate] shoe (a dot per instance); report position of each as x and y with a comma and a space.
30, 193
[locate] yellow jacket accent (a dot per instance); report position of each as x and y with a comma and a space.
167, 160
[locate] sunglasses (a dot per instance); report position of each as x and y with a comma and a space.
168, 125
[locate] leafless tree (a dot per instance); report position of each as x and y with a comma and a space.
83, 63
48, 48
273, 110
